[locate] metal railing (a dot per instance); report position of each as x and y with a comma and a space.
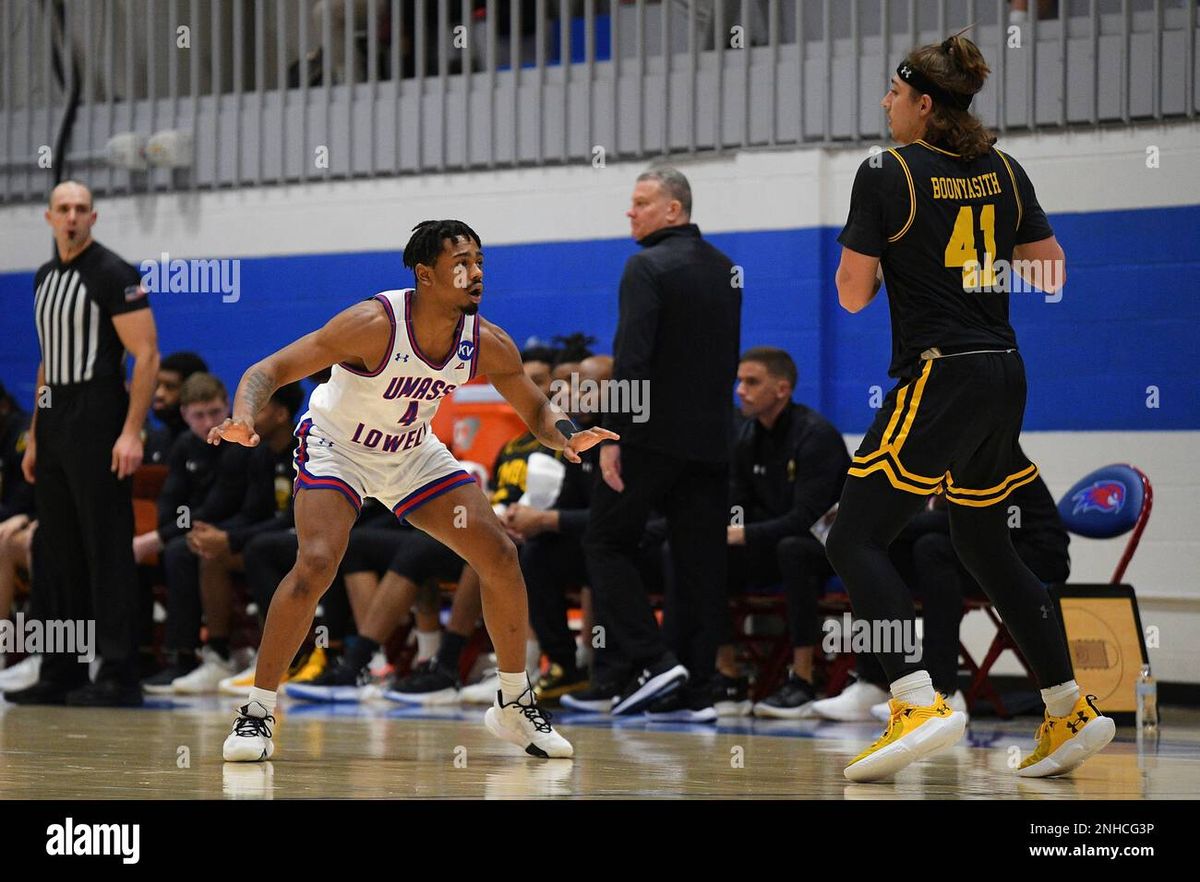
271, 91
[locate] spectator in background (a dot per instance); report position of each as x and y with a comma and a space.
269, 555
84, 445
551, 550
16, 494
172, 371
417, 564
1019, 13
572, 349
16, 520
926, 560
509, 467
204, 483
677, 336
218, 546
789, 464
16, 541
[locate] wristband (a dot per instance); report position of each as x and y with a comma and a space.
567, 427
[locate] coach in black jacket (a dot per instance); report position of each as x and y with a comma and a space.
676, 357
789, 465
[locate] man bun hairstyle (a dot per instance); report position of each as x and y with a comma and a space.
951, 73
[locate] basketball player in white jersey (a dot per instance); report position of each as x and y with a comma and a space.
366, 433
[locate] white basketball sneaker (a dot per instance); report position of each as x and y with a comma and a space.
250, 741
21, 675
526, 725
853, 704
483, 692
207, 677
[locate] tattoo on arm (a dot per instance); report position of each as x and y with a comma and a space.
252, 395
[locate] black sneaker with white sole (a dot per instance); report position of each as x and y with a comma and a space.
429, 683
652, 682
161, 683
731, 696
791, 701
597, 698
684, 705
337, 683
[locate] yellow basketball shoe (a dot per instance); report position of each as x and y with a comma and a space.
913, 732
1065, 742
310, 668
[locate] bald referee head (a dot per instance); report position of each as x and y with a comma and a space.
71, 215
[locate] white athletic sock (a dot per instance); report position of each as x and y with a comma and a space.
265, 697
428, 643
512, 685
1061, 698
915, 688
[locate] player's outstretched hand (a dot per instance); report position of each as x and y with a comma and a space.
238, 431
585, 439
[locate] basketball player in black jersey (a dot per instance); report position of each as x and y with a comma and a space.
942, 219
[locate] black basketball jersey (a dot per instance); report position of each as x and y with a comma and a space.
74, 305
940, 226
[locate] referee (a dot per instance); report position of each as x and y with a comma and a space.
85, 445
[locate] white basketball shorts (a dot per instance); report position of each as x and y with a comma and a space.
403, 482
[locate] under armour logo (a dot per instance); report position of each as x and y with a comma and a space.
759, 469
905, 71
402, 356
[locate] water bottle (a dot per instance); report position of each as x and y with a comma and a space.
1147, 702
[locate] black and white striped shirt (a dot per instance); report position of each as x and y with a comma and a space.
74, 305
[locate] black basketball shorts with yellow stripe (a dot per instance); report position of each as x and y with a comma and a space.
954, 429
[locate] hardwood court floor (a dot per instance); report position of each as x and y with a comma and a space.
172, 749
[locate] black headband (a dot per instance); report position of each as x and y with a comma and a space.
923, 84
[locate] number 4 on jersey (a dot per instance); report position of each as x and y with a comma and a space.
961, 251
410, 415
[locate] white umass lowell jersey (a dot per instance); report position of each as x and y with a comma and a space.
387, 410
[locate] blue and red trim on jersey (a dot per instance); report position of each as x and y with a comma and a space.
387, 355
475, 350
430, 491
412, 340
306, 480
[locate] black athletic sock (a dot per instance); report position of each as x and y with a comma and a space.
569, 668
359, 651
450, 652
219, 645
